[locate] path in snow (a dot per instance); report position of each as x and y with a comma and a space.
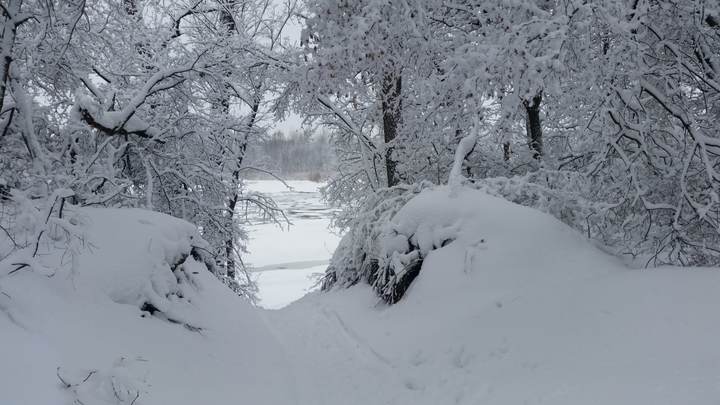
288, 260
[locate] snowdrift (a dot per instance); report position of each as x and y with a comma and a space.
512, 307
509, 307
485, 243
136, 321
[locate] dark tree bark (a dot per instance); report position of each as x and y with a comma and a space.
231, 266
534, 126
131, 7
392, 119
228, 25
506, 151
9, 29
226, 17
711, 20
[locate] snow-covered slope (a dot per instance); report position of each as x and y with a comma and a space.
81, 334
516, 309
519, 309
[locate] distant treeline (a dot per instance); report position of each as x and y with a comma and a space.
297, 155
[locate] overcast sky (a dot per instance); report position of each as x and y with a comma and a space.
292, 34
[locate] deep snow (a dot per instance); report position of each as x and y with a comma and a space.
88, 320
518, 309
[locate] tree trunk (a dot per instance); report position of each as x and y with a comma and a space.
228, 24
8, 41
392, 118
230, 266
534, 126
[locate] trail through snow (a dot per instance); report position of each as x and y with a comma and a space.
322, 351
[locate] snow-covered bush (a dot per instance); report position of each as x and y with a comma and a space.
359, 255
563, 194
35, 230
461, 220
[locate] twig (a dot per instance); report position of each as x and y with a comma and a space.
20, 267
62, 380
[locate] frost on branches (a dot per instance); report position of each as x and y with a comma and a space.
604, 114
138, 104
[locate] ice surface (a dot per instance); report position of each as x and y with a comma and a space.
286, 259
279, 288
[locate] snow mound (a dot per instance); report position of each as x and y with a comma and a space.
152, 272
511, 307
466, 233
137, 320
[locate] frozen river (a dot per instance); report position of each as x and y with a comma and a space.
287, 261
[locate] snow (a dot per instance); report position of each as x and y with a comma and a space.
279, 288
89, 319
113, 120
498, 243
304, 241
287, 260
516, 308
277, 187
464, 148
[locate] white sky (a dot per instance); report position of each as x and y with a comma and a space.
291, 34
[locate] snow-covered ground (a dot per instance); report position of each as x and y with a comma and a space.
121, 328
287, 260
516, 309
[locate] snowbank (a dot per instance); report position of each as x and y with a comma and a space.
512, 307
138, 321
498, 245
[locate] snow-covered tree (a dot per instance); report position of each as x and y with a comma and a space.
141, 104
602, 113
